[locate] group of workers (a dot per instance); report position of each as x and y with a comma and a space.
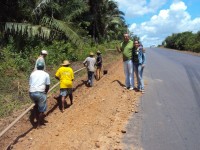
39, 82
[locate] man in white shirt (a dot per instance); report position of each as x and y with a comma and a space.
39, 86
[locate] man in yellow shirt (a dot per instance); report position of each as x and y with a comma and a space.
65, 75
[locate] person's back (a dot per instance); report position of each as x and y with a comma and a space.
38, 80
99, 61
66, 76
41, 59
90, 63
99, 65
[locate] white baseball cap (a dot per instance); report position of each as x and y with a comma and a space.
44, 52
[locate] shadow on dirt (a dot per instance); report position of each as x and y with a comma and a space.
122, 85
17, 139
83, 82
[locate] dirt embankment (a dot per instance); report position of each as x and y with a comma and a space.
96, 120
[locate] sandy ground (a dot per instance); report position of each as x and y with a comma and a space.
96, 120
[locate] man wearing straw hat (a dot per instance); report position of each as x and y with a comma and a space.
90, 62
99, 65
65, 75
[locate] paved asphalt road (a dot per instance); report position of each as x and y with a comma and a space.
169, 116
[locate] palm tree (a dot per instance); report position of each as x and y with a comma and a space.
112, 18
45, 18
68, 19
106, 19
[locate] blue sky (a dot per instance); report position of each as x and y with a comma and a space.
154, 20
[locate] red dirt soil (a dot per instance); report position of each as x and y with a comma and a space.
96, 120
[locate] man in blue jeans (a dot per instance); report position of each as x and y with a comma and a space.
89, 63
126, 49
39, 86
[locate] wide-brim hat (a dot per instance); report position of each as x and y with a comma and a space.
65, 63
98, 52
91, 54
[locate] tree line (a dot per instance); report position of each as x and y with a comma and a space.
185, 41
67, 28
74, 20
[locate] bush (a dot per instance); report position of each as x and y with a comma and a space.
196, 48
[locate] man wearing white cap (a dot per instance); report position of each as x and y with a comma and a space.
41, 58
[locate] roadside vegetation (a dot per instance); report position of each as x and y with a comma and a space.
185, 41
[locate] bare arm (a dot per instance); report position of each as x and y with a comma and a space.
57, 78
47, 88
118, 49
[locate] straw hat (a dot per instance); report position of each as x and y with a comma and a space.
98, 52
91, 54
65, 63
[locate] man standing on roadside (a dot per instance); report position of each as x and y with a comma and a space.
41, 58
39, 86
126, 49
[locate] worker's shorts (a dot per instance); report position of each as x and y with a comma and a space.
66, 91
39, 98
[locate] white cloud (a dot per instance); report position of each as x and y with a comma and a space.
176, 19
177, 6
163, 14
133, 27
135, 8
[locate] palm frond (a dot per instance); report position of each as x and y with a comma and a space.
44, 31
42, 4
74, 9
63, 27
28, 29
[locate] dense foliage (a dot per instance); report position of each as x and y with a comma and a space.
74, 20
185, 41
